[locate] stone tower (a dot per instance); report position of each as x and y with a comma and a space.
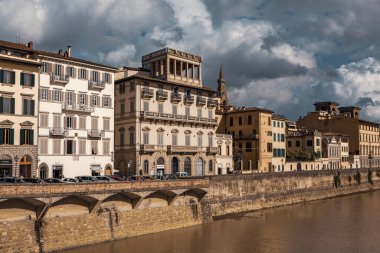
222, 92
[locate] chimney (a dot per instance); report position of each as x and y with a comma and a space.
69, 51
30, 44
59, 51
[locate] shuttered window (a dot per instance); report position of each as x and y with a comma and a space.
27, 79
57, 146
106, 124
43, 145
82, 146
7, 77
82, 123
106, 147
26, 137
6, 136
7, 105
28, 107
44, 119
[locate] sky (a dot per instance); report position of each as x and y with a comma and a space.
283, 55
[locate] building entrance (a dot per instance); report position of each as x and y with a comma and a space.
26, 167
5, 167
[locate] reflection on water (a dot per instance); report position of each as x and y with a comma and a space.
342, 225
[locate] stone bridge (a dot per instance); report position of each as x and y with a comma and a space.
37, 201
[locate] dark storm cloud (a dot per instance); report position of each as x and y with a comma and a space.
284, 54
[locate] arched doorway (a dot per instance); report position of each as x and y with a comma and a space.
187, 165
5, 166
146, 167
299, 168
108, 170
26, 167
160, 167
199, 164
175, 165
43, 173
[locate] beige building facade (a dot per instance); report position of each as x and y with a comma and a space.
19, 79
224, 162
279, 143
164, 117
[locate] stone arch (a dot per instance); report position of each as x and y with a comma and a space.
175, 164
43, 174
187, 167
71, 206
25, 166
108, 169
190, 196
20, 209
160, 198
121, 201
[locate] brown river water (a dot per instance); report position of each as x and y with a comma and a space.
339, 225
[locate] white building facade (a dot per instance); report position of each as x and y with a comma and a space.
76, 117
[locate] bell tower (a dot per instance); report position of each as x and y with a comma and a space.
222, 91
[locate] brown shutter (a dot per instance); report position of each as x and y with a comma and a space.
74, 99
98, 101
39, 94
64, 121
50, 95
78, 97
65, 147
86, 99
87, 75
74, 72
62, 70
110, 102
74, 147
75, 122
49, 68
104, 77
53, 68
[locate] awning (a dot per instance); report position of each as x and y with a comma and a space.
96, 167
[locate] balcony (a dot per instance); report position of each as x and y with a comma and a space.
201, 101
152, 148
183, 149
147, 93
97, 85
58, 132
211, 103
224, 136
77, 108
94, 133
212, 150
188, 99
59, 79
177, 118
161, 95
175, 98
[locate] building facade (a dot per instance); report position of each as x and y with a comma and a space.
279, 143
224, 162
18, 110
76, 116
165, 118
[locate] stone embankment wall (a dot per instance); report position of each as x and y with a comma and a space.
231, 194
59, 220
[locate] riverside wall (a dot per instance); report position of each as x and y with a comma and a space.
70, 218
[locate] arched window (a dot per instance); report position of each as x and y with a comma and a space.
121, 132
210, 165
131, 136
146, 167
187, 165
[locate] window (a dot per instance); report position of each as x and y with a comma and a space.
7, 105
219, 149
132, 87
27, 79
94, 123
309, 143
44, 94
146, 137
269, 147
187, 140
82, 74
248, 147
70, 147
196, 72
146, 167
175, 109
210, 165
178, 68
200, 140
240, 121
94, 147
45, 67
171, 66
160, 107
187, 111
107, 78
56, 121
106, 102
132, 105
240, 146
210, 140
174, 139
122, 107
274, 123
43, 145
122, 137
106, 124
71, 72
82, 146
6, 136
282, 137
318, 142
82, 123
228, 150
160, 138
289, 143
298, 143
7, 76
95, 76
44, 120
132, 136
231, 121
69, 98
56, 146
94, 100
56, 95
106, 147
199, 112
70, 122
249, 120
210, 114
122, 88
58, 70
82, 99
274, 137
184, 69
146, 106
28, 107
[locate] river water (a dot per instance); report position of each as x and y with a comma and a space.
339, 225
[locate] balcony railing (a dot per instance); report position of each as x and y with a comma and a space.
188, 99
94, 133
175, 98
177, 118
77, 108
212, 150
59, 79
211, 103
96, 84
161, 95
183, 149
147, 93
152, 148
58, 132
201, 100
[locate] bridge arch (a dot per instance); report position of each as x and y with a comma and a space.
20, 209
121, 201
160, 198
71, 206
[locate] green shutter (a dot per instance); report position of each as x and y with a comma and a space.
1, 136
12, 105
13, 77
22, 136
25, 107
31, 137
1, 104
12, 136
33, 80
31, 107
22, 79
1, 76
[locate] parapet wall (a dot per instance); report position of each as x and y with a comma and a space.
67, 217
